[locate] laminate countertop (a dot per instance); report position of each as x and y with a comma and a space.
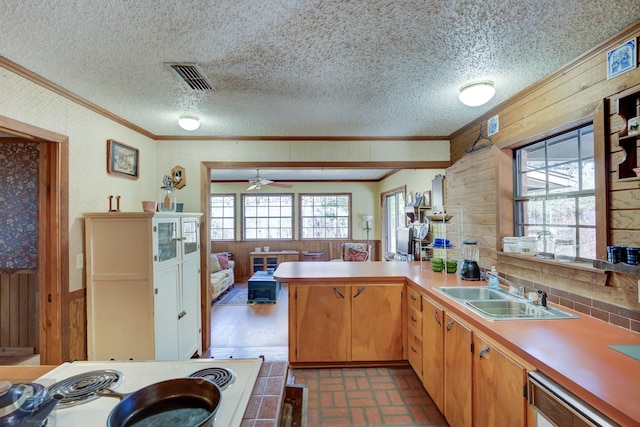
573, 352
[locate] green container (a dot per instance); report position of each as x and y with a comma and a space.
437, 268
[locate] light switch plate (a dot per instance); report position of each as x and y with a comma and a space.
79, 261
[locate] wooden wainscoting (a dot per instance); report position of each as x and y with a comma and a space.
241, 250
19, 311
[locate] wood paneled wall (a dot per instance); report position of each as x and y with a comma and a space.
241, 250
19, 311
482, 184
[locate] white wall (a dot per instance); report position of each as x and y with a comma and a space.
89, 183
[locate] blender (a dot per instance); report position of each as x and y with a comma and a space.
470, 255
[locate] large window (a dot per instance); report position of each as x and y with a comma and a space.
223, 216
268, 216
325, 216
555, 190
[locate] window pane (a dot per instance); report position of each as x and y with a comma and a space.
268, 216
223, 221
555, 189
324, 216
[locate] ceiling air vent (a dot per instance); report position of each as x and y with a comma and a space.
192, 76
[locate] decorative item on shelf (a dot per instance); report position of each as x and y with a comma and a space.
545, 243
149, 205
443, 217
565, 250
637, 171
117, 209
167, 202
367, 225
426, 199
417, 199
633, 124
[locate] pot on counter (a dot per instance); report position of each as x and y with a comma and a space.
188, 402
25, 404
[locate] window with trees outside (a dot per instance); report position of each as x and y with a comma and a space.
223, 216
325, 216
555, 190
267, 216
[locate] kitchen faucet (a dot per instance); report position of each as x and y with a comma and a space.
513, 289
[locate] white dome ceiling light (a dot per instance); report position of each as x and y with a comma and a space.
475, 94
189, 122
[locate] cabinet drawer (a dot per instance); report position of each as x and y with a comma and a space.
414, 321
414, 351
414, 299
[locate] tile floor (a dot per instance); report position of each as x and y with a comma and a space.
392, 396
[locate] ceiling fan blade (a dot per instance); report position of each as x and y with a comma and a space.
252, 187
264, 181
277, 184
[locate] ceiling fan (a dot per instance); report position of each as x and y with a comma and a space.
257, 182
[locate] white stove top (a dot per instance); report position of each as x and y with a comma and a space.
137, 374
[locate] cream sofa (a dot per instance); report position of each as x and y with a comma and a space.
221, 278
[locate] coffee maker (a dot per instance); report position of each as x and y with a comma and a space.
470, 254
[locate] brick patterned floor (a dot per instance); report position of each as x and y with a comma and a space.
367, 397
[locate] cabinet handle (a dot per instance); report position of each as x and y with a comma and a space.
414, 320
450, 325
483, 352
359, 292
181, 238
435, 314
413, 297
182, 314
338, 292
413, 349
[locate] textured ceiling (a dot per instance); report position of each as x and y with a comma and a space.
302, 67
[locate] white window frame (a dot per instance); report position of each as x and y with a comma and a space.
322, 219
268, 218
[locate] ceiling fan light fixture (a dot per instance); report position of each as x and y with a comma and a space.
478, 93
189, 122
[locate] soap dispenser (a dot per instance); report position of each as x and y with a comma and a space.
494, 282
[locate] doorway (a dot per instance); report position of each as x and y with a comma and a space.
52, 238
393, 203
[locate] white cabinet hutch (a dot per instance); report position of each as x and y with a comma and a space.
143, 285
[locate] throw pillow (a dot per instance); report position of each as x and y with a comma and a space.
353, 255
214, 264
223, 259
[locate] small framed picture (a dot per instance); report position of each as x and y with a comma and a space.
492, 126
426, 199
622, 58
122, 160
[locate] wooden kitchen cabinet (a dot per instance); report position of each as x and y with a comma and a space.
143, 285
433, 351
345, 322
414, 330
458, 367
499, 384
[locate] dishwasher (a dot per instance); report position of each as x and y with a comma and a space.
556, 406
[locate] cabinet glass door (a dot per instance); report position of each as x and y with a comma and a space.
190, 235
167, 240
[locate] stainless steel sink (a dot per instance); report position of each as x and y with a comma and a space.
474, 293
517, 309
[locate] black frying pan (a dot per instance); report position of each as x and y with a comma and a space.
188, 402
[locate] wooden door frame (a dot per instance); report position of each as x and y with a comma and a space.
53, 237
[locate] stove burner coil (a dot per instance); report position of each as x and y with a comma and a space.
81, 388
222, 377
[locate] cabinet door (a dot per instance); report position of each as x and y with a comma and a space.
376, 322
189, 312
499, 387
458, 360
166, 245
433, 351
165, 312
322, 323
190, 238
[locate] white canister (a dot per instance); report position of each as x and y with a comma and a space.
528, 245
511, 245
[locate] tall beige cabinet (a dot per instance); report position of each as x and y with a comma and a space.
143, 285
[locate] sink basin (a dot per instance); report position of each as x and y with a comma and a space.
517, 309
474, 293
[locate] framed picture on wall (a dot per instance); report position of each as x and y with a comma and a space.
122, 160
622, 58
